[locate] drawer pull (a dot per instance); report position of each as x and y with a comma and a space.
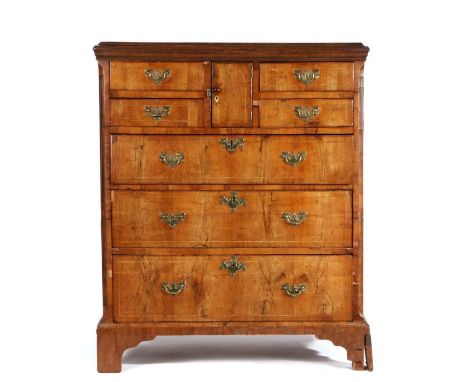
307, 76
171, 160
232, 144
293, 290
157, 77
172, 219
233, 201
294, 218
158, 112
293, 159
307, 112
173, 288
233, 266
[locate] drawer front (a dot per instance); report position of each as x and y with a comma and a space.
157, 76
306, 113
157, 112
218, 288
214, 159
306, 76
233, 219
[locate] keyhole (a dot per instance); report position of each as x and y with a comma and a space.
216, 98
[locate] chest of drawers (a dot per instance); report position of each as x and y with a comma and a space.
231, 193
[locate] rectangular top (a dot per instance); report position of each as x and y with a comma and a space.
138, 51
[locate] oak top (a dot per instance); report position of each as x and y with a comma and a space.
134, 51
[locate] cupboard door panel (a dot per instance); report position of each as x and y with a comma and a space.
232, 95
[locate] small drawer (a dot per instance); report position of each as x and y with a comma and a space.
306, 113
306, 76
215, 159
188, 219
156, 112
244, 288
175, 76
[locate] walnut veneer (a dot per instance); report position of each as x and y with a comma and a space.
231, 193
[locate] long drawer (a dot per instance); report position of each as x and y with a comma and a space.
217, 288
233, 219
212, 159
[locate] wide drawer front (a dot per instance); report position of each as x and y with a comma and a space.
156, 112
306, 113
178, 76
233, 219
211, 159
218, 288
306, 76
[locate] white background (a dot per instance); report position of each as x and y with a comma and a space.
416, 228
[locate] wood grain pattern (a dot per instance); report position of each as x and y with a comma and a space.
231, 187
281, 113
208, 223
131, 76
131, 112
211, 294
234, 108
305, 94
309, 130
135, 160
106, 238
281, 77
286, 251
161, 94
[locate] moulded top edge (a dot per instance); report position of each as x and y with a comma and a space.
231, 51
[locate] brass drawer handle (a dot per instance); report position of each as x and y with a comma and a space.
157, 77
233, 201
307, 76
233, 266
293, 290
232, 144
294, 218
172, 219
293, 159
158, 112
173, 288
171, 160
307, 112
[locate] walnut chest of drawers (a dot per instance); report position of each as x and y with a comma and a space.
231, 193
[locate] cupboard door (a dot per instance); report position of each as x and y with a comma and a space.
232, 95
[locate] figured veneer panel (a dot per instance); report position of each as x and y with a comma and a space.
332, 76
212, 294
182, 76
136, 219
180, 112
136, 160
232, 103
282, 113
